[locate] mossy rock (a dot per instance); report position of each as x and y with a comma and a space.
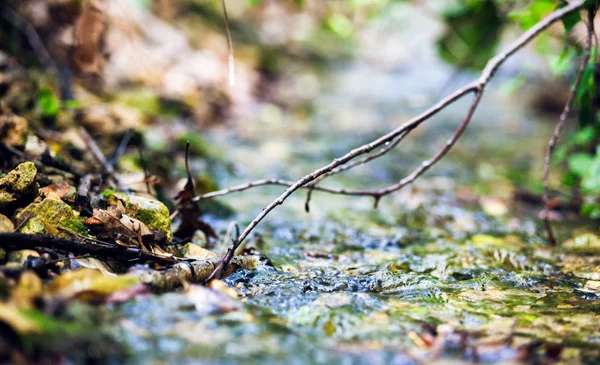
584, 244
48, 216
18, 183
150, 211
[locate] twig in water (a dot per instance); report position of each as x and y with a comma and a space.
561, 123
477, 87
389, 146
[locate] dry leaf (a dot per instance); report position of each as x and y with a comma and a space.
89, 285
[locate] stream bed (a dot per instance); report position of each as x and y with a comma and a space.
448, 268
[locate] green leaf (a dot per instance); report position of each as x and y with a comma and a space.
570, 20
472, 34
591, 182
591, 210
533, 13
48, 103
585, 95
561, 64
72, 104
580, 163
340, 25
584, 136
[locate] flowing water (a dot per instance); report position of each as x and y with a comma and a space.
352, 284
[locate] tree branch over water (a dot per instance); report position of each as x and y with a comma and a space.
477, 87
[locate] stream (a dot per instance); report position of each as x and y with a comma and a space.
356, 285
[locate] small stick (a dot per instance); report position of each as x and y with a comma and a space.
231, 58
122, 147
145, 168
352, 164
82, 198
93, 146
561, 123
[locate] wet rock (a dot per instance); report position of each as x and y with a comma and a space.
585, 244
48, 217
13, 130
151, 212
6, 225
18, 183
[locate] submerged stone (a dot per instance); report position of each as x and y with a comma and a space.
149, 211
18, 183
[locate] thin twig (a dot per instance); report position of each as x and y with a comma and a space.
144, 167
477, 87
389, 146
33, 37
231, 57
91, 144
561, 123
122, 147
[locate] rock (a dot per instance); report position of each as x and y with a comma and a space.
20, 256
13, 130
151, 212
18, 183
199, 253
6, 225
47, 216
587, 243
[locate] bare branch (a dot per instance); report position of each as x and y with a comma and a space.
477, 87
562, 121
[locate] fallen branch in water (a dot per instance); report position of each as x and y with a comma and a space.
194, 272
561, 123
476, 87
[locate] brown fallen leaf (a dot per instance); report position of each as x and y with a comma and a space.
60, 190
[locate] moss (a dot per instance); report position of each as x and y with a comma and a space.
18, 183
108, 193
46, 216
76, 226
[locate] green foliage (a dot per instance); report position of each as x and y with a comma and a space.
533, 13
48, 102
578, 152
473, 31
